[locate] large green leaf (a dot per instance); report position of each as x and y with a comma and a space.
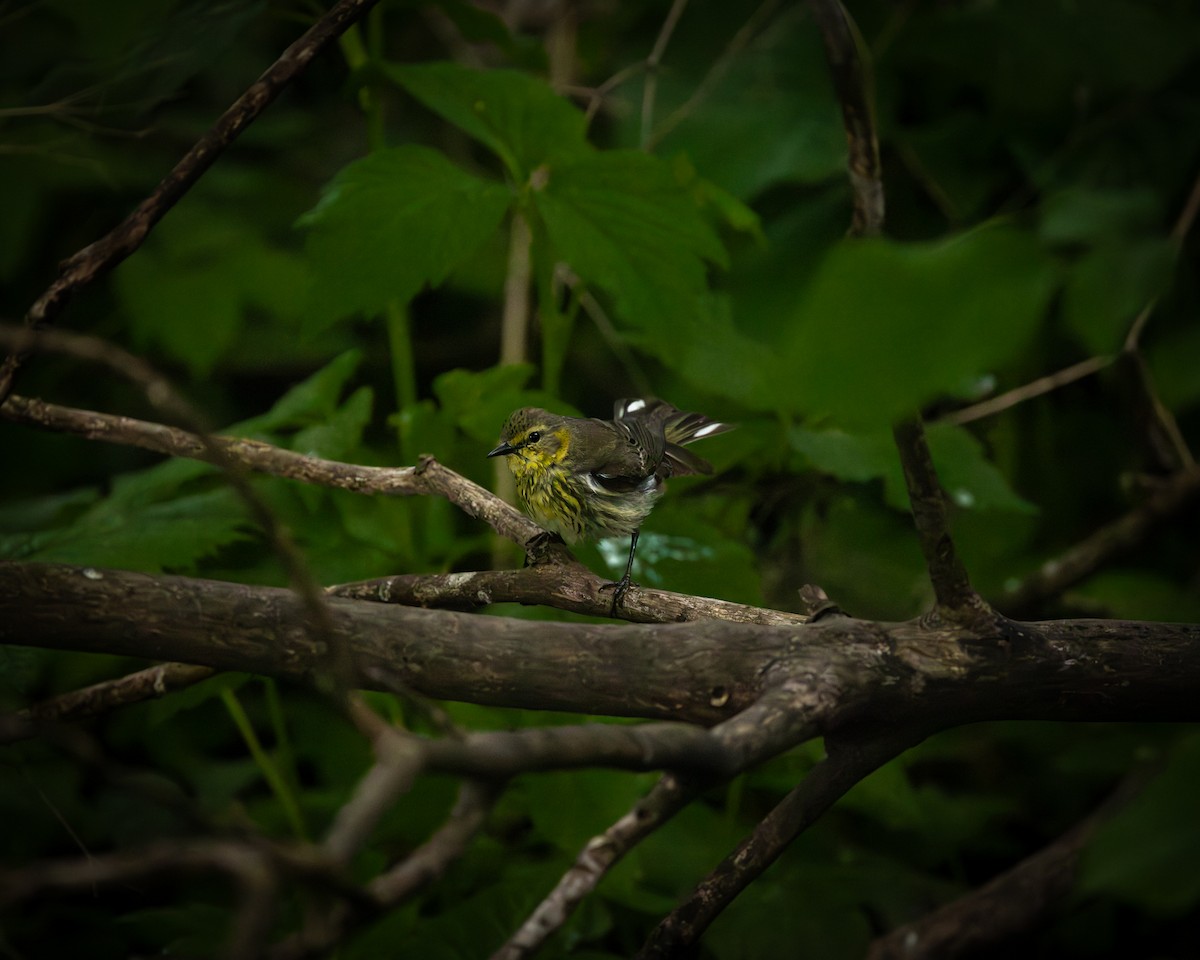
391, 223
970, 480
621, 220
191, 287
886, 327
516, 116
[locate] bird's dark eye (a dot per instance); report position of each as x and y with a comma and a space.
534, 436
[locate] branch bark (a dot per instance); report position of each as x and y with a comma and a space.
703, 672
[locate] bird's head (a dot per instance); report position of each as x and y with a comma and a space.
533, 440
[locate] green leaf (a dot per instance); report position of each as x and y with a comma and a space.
171, 535
311, 400
622, 221
1110, 285
1084, 215
516, 116
478, 402
1147, 852
342, 433
391, 223
1172, 357
568, 808
190, 288
969, 479
775, 94
886, 327
857, 457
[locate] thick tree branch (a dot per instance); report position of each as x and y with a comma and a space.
96, 259
702, 672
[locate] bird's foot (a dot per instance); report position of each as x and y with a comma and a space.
619, 589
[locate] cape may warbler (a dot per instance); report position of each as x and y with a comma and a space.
587, 479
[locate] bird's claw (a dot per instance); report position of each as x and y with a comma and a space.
619, 589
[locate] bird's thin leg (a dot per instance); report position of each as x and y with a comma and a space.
621, 586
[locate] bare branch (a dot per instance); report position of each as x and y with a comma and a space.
650, 90
737, 43
956, 597
430, 860
1111, 540
255, 869
428, 477
702, 672
1027, 391
670, 795
782, 718
102, 697
850, 762
99, 257
1008, 905
852, 83
566, 586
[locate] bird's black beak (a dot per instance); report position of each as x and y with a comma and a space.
503, 450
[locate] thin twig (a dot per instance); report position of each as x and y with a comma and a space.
103, 697
653, 62
1036, 388
101, 256
1113, 539
711, 79
1179, 231
670, 795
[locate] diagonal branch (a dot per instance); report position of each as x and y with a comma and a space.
428, 477
97, 258
845, 766
782, 718
1113, 539
1010, 904
102, 697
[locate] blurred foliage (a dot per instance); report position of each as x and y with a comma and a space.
334, 285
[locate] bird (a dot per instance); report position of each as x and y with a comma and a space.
586, 479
